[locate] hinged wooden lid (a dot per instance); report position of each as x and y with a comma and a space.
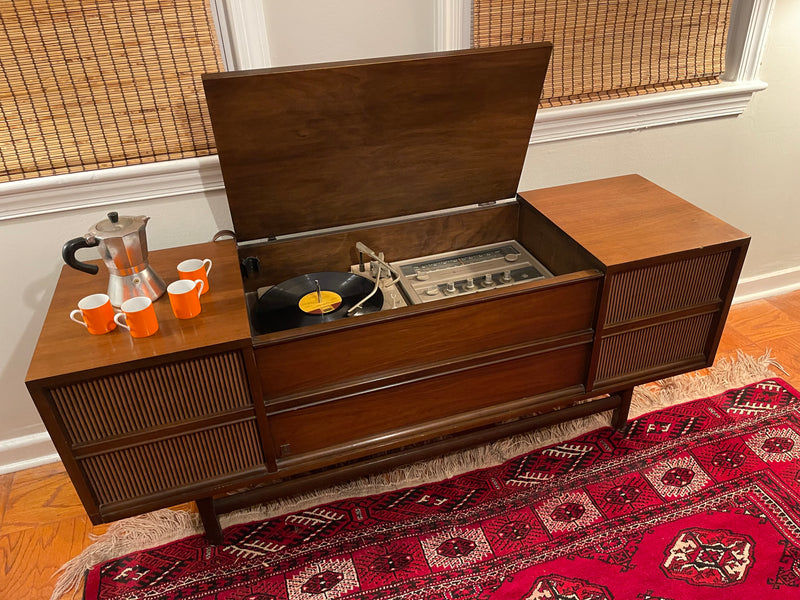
318, 146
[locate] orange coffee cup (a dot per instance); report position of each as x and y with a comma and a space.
184, 296
194, 268
97, 313
138, 316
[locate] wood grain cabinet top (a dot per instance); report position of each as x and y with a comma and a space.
66, 348
622, 220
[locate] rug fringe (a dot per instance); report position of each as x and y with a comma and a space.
164, 526
727, 373
123, 537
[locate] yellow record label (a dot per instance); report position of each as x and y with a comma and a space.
325, 303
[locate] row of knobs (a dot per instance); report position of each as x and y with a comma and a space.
487, 281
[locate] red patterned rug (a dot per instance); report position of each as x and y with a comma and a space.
699, 500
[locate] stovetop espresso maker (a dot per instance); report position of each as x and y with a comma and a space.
122, 244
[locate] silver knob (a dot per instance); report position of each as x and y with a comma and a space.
470, 285
432, 291
487, 280
422, 276
507, 276
451, 288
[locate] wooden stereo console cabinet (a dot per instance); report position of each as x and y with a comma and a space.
203, 410
413, 157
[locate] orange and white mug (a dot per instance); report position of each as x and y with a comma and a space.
184, 296
96, 312
138, 316
195, 268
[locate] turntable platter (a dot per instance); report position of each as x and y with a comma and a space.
311, 299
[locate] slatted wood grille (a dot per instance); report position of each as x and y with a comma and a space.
662, 288
170, 463
140, 399
604, 50
642, 349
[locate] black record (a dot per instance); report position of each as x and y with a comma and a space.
294, 303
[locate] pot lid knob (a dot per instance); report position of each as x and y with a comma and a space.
116, 225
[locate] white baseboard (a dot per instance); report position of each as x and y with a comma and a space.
769, 284
26, 452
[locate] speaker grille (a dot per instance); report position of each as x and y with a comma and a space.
666, 287
642, 349
138, 400
174, 462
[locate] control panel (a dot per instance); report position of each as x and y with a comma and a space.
467, 271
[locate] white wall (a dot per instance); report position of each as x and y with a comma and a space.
315, 31
744, 170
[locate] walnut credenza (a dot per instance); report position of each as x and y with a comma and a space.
205, 411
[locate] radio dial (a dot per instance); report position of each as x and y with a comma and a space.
432, 291
422, 276
512, 257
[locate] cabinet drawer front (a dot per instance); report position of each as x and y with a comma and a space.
667, 287
169, 464
633, 353
420, 340
374, 415
141, 399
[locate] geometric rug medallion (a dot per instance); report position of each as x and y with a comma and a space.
700, 500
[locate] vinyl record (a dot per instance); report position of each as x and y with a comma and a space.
295, 302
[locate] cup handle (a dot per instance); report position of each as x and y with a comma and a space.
199, 286
77, 311
120, 323
207, 263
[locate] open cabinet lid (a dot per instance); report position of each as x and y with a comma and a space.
318, 146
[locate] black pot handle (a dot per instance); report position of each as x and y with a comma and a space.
68, 254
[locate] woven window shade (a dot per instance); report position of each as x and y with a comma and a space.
605, 49
87, 84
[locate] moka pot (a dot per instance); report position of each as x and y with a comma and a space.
122, 244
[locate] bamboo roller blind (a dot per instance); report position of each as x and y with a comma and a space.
605, 49
86, 84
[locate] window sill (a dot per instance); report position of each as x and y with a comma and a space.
638, 112
155, 181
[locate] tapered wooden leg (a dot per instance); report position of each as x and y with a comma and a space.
208, 514
620, 416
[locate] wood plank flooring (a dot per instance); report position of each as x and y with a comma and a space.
42, 523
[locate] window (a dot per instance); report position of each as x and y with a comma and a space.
103, 83
749, 20
604, 50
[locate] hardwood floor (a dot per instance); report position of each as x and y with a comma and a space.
42, 523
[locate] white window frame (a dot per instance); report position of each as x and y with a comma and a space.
242, 32
242, 29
